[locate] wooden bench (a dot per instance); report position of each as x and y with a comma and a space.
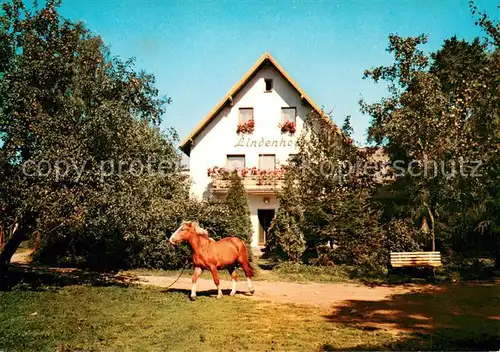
415, 259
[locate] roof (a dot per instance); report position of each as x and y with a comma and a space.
228, 98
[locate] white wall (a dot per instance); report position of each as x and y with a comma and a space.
219, 138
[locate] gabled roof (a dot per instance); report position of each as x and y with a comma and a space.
266, 58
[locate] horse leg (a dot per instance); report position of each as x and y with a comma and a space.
196, 275
243, 260
234, 278
215, 276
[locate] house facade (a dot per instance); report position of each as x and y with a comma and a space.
255, 129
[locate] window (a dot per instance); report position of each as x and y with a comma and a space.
288, 114
246, 114
267, 161
235, 161
269, 84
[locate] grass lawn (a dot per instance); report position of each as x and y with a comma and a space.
148, 319
85, 317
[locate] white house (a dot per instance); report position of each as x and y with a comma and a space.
269, 97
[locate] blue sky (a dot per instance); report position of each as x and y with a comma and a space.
199, 49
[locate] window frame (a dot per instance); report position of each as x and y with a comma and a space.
289, 108
260, 161
239, 114
228, 156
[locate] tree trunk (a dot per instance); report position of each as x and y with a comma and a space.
8, 250
431, 218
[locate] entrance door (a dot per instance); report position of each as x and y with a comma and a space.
265, 218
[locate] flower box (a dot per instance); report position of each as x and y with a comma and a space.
251, 176
288, 127
246, 128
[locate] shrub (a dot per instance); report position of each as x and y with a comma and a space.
239, 215
286, 241
402, 236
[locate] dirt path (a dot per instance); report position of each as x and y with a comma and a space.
321, 295
325, 296
395, 309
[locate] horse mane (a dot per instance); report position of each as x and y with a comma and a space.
200, 231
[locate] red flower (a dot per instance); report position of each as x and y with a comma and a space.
262, 176
247, 127
288, 127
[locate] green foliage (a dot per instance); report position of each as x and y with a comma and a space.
285, 238
403, 236
66, 104
347, 127
237, 202
214, 216
325, 200
443, 109
358, 239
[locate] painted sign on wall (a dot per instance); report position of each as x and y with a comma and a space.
275, 143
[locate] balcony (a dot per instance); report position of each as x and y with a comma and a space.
254, 180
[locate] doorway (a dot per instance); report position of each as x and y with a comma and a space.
265, 217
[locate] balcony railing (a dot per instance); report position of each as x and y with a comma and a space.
253, 179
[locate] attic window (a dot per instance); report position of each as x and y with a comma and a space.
269, 84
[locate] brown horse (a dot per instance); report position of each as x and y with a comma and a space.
209, 254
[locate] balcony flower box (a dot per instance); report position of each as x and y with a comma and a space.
250, 176
288, 127
246, 128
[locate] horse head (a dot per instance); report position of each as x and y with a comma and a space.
184, 232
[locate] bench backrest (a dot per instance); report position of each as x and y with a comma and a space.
402, 259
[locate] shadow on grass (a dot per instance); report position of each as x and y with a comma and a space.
451, 317
443, 341
32, 277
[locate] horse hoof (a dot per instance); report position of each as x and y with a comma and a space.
232, 293
192, 298
219, 296
252, 291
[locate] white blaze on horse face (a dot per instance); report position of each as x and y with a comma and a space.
175, 236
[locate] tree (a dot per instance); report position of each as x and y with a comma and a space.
414, 122
286, 240
326, 200
457, 63
77, 125
477, 206
442, 111
237, 202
